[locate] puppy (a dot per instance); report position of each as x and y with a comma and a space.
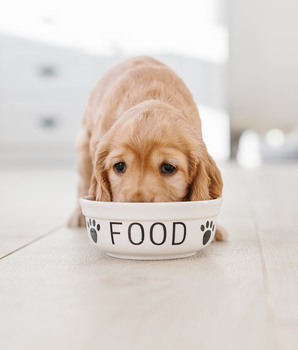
141, 140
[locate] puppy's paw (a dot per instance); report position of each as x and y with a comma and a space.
220, 234
77, 218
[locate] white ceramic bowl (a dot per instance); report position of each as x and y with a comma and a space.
151, 231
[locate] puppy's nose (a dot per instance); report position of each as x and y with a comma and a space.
139, 197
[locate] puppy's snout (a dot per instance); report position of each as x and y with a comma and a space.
139, 197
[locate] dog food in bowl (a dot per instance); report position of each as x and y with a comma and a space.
151, 231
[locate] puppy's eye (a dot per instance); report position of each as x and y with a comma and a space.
167, 168
120, 167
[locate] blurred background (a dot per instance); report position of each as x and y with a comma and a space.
238, 58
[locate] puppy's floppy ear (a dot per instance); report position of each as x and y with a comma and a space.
100, 185
206, 178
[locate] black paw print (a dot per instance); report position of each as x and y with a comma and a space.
94, 228
207, 234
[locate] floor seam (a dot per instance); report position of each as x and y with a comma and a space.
34, 240
268, 297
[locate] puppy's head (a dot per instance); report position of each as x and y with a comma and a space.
153, 155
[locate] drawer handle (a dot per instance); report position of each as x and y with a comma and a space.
48, 71
48, 122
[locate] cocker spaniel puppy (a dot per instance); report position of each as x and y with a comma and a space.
141, 140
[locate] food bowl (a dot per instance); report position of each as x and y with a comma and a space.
151, 231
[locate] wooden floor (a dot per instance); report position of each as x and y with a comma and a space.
57, 291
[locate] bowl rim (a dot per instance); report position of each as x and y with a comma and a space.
150, 211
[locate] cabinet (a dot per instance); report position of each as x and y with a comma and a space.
43, 93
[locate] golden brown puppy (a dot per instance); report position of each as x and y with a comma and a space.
141, 140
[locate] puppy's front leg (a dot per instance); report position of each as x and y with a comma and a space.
84, 165
220, 234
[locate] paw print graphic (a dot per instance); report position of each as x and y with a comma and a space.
94, 228
207, 229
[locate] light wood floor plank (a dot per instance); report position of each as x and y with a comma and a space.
288, 337
31, 202
61, 292
281, 257
10, 243
275, 211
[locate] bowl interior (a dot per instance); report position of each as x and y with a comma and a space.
150, 211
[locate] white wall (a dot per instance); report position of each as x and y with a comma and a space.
44, 90
50, 60
263, 68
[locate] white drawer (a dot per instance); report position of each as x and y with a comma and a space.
51, 69
44, 95
39, 123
